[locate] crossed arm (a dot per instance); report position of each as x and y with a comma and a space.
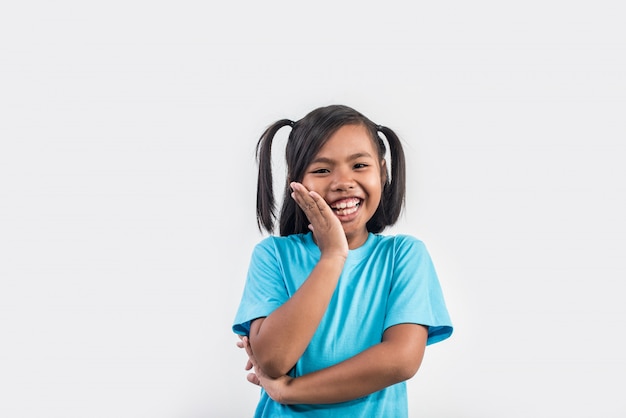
277, 341
395, 359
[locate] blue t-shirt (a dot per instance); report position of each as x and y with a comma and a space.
389, 280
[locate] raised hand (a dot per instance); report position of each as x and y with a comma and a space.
327, 230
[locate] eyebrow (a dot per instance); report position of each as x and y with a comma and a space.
352, 157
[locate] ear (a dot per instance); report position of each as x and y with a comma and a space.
383, 171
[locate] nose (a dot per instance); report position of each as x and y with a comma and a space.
342, 180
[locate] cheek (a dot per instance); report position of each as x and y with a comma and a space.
376, 187
310, 184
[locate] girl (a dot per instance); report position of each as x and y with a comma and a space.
335, 317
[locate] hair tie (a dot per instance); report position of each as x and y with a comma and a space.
379, 128
292, 123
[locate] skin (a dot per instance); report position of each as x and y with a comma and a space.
347, 167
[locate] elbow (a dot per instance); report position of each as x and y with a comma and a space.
407, 371
271, 364
406, 365
270, 357
407, 343
274, 368
402, 372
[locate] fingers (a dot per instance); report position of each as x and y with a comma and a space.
301, 195
319, 201
241, 344
252, 378
246, 345
314, 206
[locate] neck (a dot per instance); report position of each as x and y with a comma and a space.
356, 241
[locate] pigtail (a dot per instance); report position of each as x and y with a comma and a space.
394, 189
265, 200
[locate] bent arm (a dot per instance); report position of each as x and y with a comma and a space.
397, 358
279, 339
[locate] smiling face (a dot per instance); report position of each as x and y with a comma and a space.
347, 173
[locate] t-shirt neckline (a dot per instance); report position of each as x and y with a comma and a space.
356, 254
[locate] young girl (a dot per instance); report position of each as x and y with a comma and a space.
335, 317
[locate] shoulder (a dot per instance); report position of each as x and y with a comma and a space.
401, 242
284, 241
278, 245
404, 249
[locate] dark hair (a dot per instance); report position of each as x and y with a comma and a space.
307, 137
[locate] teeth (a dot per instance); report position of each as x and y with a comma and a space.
346, 204
346, 207
347, 211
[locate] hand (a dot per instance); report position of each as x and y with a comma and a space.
241, 344
327, 229
276, 388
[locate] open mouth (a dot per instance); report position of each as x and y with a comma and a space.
346, 206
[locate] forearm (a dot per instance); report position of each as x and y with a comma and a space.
279, 340
374, 369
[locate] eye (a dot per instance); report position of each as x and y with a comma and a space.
320, 171
360, 165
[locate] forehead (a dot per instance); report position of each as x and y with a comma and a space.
347, 141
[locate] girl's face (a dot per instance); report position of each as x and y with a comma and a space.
347, 173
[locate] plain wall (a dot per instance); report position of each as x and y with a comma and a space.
128, 181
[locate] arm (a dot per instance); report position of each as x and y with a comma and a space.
280, 339
395, 359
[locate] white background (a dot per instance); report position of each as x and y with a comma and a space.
127, 190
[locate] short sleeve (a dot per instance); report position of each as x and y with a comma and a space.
416, 295
264, 290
